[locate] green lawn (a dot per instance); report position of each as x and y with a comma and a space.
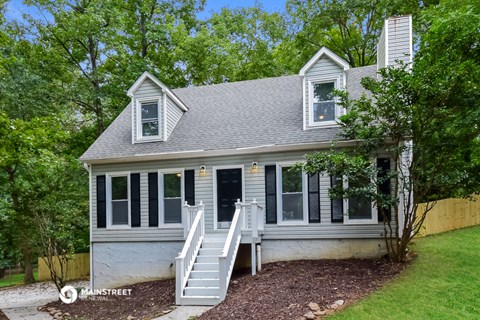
443, 283
15, 279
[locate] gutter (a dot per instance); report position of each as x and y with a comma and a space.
90, 217
223, 152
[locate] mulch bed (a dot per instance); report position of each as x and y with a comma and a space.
283, 290
3, 316
147, 300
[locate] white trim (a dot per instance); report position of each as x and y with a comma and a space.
386, 43
222, 152
133, 111
161, 194
324, 51
164, 116
410, 36
109, 199
170, 94
304, 109
311, 83
138, 102
279, 166
215, 195
90, 218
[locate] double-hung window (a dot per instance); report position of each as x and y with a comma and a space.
171, 193
292, 203
323, 109
118, 196
149, 119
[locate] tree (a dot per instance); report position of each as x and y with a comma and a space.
232, 45
350, 28
426, 118
38, 185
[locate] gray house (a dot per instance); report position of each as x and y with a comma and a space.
187, 182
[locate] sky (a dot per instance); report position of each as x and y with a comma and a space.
15, 8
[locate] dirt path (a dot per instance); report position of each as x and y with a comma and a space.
22, 302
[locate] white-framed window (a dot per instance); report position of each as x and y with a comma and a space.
292, 199
118, 200
172, 196
323, 109
149, 118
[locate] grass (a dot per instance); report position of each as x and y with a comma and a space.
14, 279
442, 283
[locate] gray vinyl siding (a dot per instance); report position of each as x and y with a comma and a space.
399, 42
254, 188
381, 53
324, 69
147, 90
174, 113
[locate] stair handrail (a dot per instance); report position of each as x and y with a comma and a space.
226, 259
186, 258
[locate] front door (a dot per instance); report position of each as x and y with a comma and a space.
229, 189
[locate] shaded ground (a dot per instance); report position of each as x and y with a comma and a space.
147, 300
283, 290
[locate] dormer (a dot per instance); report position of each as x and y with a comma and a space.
324, 72
156, 110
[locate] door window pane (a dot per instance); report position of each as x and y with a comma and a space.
172, 197
292, 195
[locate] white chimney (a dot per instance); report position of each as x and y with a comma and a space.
395, 42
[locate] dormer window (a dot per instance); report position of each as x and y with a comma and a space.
323, 102
323, 108
149, 119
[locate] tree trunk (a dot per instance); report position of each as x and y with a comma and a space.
27, 264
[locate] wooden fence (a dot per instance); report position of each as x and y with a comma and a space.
77, 268
451, 214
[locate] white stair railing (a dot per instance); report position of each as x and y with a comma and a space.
194, 222
226, 260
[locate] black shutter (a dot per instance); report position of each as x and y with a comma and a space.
135, 199
336, 203
153, 199
101, 202
313, 198
383, 166
190, 187
271, 193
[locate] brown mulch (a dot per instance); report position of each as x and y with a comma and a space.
3, 316
283, 290
147, 300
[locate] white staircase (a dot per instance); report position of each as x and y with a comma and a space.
203, 286
205, 265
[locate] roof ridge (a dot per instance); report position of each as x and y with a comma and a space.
236, 82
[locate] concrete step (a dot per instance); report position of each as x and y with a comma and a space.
202, 282
205, 266
207, 259
204, 274
202, 291
200, 301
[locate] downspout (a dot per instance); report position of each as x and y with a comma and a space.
89, 170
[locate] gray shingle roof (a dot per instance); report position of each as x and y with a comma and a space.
227, 116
